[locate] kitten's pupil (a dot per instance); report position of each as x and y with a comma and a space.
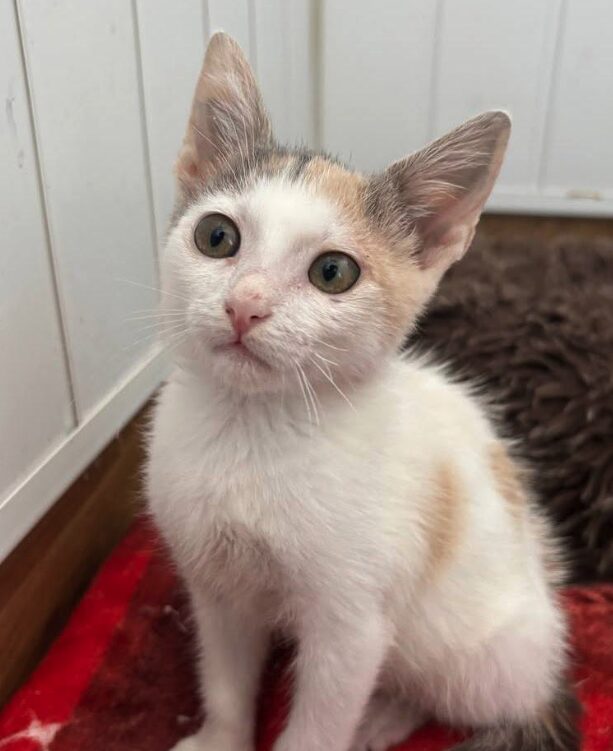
330, 270
217, 236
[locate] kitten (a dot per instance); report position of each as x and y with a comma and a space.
311, 480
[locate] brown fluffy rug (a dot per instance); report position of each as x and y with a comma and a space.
533, 322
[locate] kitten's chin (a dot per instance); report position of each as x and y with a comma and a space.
238, 368
239, 355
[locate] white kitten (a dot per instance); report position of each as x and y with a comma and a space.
310, 479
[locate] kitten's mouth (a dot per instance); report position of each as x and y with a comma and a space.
238, 350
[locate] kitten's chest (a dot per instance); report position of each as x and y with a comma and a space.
226, 510
234, 560
241, 510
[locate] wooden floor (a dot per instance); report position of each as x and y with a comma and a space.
46, 574
43, 578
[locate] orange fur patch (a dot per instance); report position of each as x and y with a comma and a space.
343, 187
277, 162
508, 479
448, 504
405, 288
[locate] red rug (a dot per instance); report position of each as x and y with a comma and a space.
120, 677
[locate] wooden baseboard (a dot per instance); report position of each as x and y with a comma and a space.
543, 227
45, 575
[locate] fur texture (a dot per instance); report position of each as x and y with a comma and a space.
530, 316
310, 480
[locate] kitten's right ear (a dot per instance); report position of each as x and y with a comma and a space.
228, 118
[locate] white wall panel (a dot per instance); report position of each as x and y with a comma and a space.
497, 54
302, 69
579, 149
35, 410
39, 489
284, 66
398, 73
377, 74
172, 47
84, 80
233, 17
271, 56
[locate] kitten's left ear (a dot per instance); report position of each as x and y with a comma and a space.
439, 192
228, 118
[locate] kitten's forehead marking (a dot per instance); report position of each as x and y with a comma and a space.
344, 188
285, 211
320, 204
284, 218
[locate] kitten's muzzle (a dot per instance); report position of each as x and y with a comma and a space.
248, 304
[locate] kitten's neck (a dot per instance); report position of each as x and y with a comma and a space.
302, 410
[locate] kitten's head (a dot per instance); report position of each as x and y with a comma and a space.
284, 265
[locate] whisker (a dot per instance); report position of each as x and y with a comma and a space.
328, 376
153, 334
325, 359
157, 311
153, 289
159, 317
338, 349
150, 322
159, 327
306, 403
309, 391
314, 397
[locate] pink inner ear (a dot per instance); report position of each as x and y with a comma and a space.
449, 231
190, 169
447, 246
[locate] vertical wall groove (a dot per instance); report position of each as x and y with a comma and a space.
545, 150
206, 21
145, 138
253, 34
317, 72
49, 240
434, 71
289, 91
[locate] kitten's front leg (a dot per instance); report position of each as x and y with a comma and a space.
233, 646
337, 666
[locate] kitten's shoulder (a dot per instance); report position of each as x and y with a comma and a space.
446, 395
425, 370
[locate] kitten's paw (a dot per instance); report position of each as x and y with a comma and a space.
209, 740
386, 722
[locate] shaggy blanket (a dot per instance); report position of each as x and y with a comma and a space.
120, 677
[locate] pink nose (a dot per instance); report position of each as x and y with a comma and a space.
246, 310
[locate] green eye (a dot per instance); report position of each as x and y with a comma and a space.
217, 236
334, 272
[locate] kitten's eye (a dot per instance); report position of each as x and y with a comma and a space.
217, 236
334, 272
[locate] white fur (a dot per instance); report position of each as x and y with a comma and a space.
284, 227
310, 512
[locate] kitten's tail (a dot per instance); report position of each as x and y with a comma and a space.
557, 729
